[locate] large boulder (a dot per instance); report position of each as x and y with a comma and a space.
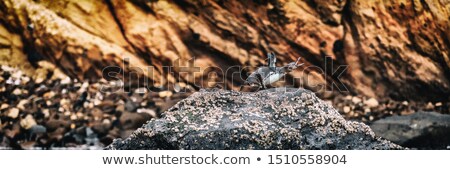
280, 118
421, 130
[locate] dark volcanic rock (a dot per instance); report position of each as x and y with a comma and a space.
422, 130
269, 119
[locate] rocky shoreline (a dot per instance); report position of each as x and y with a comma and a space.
61, 113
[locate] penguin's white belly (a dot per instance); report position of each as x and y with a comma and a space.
273, 78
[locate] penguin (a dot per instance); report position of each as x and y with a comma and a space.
269, 74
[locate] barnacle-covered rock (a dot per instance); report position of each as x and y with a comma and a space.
279, 118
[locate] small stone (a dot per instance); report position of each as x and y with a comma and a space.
438, 104
405, 103
348, 97
38, 129
120, 108
21, 104
346, 109
27, 122
176, 88
39, 80
182, 84
140, 90
4, 106
13, 113
17, 75
130, 106
46, 113
165, 94
371, 103
356, 100
367, 110
65, 103
66, 80
25, 80
97, 102
79, 114
151, 112
17, 91
83, 87
49, 95
73, 117
7, 68
429, 106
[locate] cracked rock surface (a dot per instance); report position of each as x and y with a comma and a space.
280, 118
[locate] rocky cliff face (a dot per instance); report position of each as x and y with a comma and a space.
394, 49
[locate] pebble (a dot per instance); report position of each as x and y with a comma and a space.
356, 100
27, 122
165, 94
66, 80
348, 97
150, 112
438, 104
21, 104
4, 106
73, 117
13, 113
17, 91
97, 102
49, 95
346, 109
429, 106
46, 113
38, 129
371, 103
405, 103
25, 80
141, 90
39, 80
130, 106
176, 88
